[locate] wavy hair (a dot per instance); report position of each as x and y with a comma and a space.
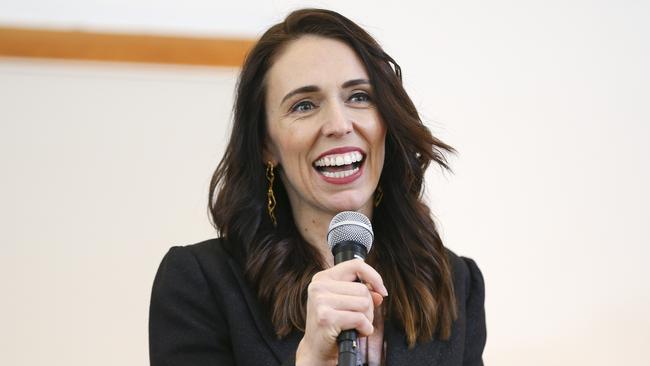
408, 251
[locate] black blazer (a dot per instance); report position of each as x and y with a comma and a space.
204, 313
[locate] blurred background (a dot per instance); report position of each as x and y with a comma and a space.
106, 154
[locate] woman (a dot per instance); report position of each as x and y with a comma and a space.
322, 124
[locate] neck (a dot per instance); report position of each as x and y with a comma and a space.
313, 226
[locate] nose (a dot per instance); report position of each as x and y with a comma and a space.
337, 123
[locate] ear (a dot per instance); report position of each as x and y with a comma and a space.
269, 153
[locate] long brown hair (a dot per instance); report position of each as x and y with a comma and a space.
279, 263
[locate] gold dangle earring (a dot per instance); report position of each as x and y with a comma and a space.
270, 205
379, 194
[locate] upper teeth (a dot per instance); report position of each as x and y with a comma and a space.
339, 159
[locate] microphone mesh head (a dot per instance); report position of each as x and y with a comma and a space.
350, 226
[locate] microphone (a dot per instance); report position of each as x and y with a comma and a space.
349, 237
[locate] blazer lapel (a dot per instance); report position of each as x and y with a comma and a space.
398, 353
396, 347
282, 348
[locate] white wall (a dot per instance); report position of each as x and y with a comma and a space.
105, 166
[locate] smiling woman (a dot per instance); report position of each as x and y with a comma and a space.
321, 106
321, 117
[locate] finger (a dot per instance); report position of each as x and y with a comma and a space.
364, 304
357, 269
353, 320
338, 287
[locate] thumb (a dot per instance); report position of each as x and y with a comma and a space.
377, 298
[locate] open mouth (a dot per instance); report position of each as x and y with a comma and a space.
340, 165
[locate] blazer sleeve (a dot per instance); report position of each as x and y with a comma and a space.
185, 324
476, 333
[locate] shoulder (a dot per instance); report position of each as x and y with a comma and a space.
469, 287
196, 296
216, 248
468, 279
208, 267
213, 253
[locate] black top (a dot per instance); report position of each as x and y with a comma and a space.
203, 313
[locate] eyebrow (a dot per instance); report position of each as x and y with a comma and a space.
314, 88
355, 82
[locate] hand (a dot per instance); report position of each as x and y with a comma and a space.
335, 303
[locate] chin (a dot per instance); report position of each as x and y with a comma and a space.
350, 202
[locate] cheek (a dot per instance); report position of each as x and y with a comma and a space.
380, 146
376, 127
379, 136
299, 138
290, 146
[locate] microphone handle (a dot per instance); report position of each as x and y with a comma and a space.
348, 250
347, 339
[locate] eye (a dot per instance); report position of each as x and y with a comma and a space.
303, 106
360, 97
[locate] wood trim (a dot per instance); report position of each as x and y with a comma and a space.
79, 45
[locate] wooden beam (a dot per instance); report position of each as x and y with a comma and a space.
79, 45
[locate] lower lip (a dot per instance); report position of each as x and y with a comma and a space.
345, 180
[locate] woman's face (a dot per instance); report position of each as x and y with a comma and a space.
323, 127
